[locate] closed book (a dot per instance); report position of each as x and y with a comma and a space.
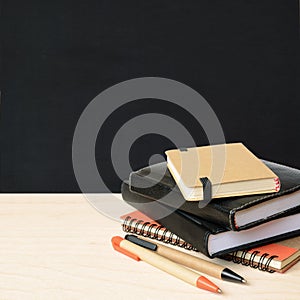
234, 213
209, 238
230, 169
274, 257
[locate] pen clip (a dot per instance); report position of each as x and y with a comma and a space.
145, 244
116, 240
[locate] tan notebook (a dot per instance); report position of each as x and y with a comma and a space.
231, 169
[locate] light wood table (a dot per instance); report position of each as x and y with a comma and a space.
58, 246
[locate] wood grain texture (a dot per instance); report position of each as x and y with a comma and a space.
58, 247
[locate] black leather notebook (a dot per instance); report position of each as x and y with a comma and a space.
233, 213
209, 238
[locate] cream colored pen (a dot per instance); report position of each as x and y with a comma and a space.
140, 253
187, 260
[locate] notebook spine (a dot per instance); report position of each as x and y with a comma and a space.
263, 264
154, 231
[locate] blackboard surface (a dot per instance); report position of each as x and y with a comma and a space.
56, 56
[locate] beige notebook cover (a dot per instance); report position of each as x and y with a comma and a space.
232, 169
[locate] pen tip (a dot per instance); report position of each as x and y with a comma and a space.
244, 280
229, 275
220, 291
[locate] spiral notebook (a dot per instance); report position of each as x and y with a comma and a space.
140, 224
275, 257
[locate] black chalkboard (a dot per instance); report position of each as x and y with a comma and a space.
56, 56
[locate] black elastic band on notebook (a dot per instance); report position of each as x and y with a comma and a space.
207, 189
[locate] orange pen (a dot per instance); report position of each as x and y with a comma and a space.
139, 253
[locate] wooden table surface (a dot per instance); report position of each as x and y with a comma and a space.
57, 246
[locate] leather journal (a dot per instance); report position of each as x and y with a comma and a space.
233, 213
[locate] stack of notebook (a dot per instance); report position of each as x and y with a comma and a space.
255, 203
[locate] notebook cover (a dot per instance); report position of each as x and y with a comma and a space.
266, 256
240, 164
190, 228
279, 249
220, 210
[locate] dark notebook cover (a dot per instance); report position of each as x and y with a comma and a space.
190, 228
158, 185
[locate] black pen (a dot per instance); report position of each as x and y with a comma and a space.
189, 261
